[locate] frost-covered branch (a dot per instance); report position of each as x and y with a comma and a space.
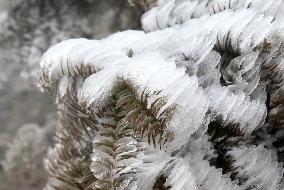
175, 108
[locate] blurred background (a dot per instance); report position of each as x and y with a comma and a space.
27, 115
